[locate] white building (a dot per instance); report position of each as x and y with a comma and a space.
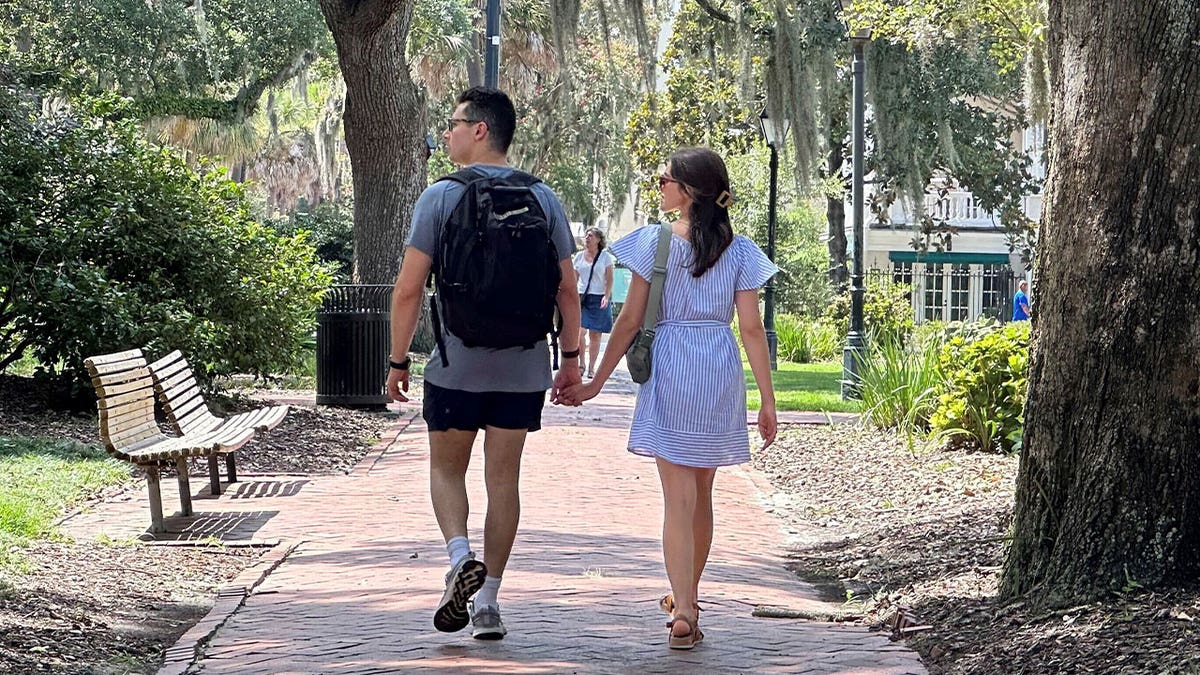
977, 275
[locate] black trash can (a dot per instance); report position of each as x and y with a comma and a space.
353, 339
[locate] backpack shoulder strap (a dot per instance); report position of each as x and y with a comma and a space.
518, 177
464, 176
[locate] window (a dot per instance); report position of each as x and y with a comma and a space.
960, 292
995, 290
902, 273
935, 285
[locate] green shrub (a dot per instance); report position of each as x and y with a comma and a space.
330, 228
112, 243
984, 396
887, 311
899, 385
806, 341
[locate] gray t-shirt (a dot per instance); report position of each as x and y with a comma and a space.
512, 370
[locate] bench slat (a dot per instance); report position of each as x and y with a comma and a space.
112, 379
178, 397
115, 369
170, 364
194, 411
107, 388
114, 429
123, 440
173, 382
110, 417
200, 423
262, 419
221, 441
117, 357
134, 396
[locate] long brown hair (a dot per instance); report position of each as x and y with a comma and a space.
702, 173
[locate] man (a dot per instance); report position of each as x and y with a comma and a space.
501, 391
1021, 302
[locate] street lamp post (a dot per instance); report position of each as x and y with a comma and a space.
491, 54
775, 133
856, 338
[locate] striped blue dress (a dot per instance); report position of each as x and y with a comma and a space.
692, 411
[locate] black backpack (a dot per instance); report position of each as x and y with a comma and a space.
496, 266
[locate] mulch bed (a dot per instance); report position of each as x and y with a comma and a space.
114, 608
95, 608
918, 538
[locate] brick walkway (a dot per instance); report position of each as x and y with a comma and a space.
580, 595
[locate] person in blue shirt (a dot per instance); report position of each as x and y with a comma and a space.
1021, 302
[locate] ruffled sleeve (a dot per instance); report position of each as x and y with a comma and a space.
636, 250
754, 268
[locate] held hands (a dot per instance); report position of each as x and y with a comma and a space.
579, 393
767, 425
568, 376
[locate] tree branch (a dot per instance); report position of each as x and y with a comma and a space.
246, 101
234, 110
16, 353
714, 12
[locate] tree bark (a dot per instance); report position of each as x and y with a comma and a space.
1108, 493
384, 126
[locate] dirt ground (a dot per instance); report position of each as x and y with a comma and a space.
114, 607
917, 539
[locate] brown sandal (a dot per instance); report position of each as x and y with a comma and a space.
688, 639
667, 604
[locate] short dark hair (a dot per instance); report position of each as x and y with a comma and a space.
496, 109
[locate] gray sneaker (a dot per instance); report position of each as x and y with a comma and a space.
486, 623
463, 580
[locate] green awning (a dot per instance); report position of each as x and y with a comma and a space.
952, 257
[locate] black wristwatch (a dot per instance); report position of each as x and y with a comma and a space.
570, 355
403, 365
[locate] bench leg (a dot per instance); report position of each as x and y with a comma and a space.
214, 476
185, 489
156, 514
230, 469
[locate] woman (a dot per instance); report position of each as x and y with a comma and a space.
691, 413
594, 276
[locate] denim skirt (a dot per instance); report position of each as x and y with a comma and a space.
593, 317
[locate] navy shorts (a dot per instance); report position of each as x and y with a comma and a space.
446, 409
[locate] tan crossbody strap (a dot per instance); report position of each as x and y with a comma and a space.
650, 320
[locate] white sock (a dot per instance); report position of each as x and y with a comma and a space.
487, 594
458, 548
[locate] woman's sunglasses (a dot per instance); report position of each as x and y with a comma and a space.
663, 179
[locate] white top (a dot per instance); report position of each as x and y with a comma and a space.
583, 268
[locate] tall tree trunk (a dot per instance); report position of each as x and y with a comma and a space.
384, 126
1108, 492
835, 215
478, 46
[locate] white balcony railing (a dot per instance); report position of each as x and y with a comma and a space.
959, 209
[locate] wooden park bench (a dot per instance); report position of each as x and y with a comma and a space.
188, 414
126, 392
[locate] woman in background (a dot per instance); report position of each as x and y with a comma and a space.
594, 269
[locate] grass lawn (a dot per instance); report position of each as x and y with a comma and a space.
40, 479
804, 386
